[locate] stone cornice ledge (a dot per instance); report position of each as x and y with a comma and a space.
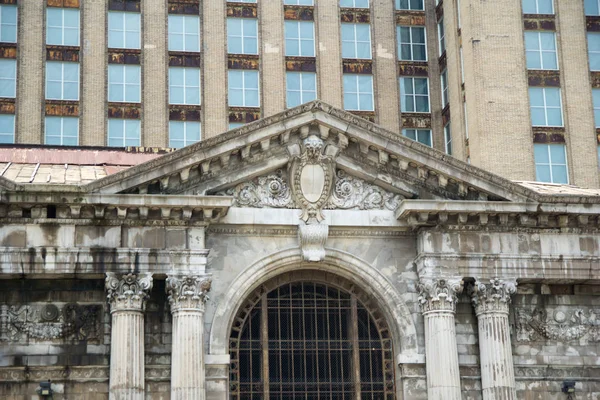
418, 213
95, 262
525, 268
117, 206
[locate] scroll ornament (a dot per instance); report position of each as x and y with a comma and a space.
439, 294
129, 292
188, 291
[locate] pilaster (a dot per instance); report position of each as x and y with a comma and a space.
187, 295
437, 298
491, 301
127, 295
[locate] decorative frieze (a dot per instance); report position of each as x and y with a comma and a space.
187, 291
128, 292
563, 326
439, 294
493, 296
50, 322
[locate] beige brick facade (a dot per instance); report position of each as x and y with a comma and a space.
154, 74
494, 94
31, 68
576, 95
93, 74
272, 53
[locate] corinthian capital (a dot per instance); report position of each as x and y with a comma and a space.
439, 294
188, 291
128, 292
493, 296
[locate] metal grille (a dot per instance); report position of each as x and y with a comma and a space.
306, 340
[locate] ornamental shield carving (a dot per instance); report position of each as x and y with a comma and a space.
311, 174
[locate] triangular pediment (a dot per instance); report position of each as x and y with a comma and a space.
375, 159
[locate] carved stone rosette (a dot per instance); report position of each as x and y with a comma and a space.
493, 296
439, 294
187, 292
129, 292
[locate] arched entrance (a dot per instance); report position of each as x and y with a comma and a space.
308, 336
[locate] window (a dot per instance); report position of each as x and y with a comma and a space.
550, 163
184, 33
448, 139
592, 7
7, 128
540, 48
358, 92
356, 41
299, 38
545, 105
596, 98
62, 131
62, 80
301, 87
123, 30
538, 7
183, 133
124, 132
244, 1
8, 77
242, 36
422, 136
410, 5
334, 340
124, 83
62, 26
414, 95
594, 50
354, 3
411, 43
8, 23
441, 37
234, 125
184, 85
243, 88
444, 81
298, 2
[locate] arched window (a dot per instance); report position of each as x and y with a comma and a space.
308, 340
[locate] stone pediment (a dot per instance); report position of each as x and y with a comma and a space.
347, 193
367, 166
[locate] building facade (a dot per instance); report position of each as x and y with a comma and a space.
311, 254
509, 86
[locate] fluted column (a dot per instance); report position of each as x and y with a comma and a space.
127, 296
491, 301
438, 298
187, 295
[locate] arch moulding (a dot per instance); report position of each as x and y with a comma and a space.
336, 262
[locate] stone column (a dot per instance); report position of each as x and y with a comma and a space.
491, 301
187, 295
438, 298
127, 296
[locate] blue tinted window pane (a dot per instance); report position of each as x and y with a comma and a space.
545, 7
557, 154
7, 128
591, 7
540, 152
559, 174
8, 74
542, 173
